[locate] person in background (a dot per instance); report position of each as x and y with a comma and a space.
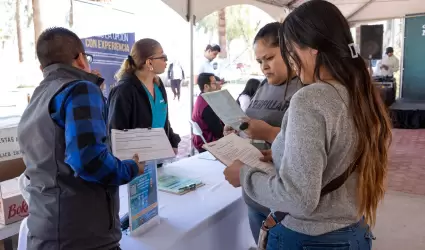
244, 99
140, 99
74, 178
389, 64
175, 75
330, 160
203, 114
205, 66
269, 104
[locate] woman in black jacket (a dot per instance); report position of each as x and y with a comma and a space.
139, 100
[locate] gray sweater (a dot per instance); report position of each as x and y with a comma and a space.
316, 144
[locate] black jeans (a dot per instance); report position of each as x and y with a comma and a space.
175, 87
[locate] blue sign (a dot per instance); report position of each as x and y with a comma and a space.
143, 197
109, 52
413, 59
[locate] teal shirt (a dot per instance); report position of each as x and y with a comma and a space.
158, 107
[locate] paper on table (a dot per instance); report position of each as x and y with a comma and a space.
225, 107
149, 144
232, 147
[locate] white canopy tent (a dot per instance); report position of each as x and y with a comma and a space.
356, 11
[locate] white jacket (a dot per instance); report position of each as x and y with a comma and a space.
393, 66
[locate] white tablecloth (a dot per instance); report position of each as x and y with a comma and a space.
214, 217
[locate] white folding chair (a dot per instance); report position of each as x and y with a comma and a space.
197, 130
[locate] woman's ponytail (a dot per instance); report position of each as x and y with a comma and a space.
128, 66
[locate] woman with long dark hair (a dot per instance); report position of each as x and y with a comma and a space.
269, 104
331, 156
244, 98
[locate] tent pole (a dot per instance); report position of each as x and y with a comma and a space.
191, 20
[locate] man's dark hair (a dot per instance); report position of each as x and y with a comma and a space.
213, 48
204, 79
389, 50
58, 45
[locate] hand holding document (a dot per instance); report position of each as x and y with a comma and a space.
225, 107
149, 144
232, 147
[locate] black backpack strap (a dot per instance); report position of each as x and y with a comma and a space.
338, 181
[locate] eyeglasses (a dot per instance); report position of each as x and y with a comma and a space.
163, 57
89, 57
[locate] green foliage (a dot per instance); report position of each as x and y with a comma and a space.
7, 24
238, 24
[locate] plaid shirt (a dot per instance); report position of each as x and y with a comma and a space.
80, 110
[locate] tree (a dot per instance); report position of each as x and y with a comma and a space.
6, 22
208, 25
36, 17
70, 17
19, 30
222, 33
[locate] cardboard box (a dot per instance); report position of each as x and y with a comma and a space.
13, 207
11, 164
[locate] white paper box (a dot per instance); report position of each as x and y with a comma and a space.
13, 207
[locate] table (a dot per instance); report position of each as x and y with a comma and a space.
7, 231
212, 217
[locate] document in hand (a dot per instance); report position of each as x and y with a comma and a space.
232, 147
149, 144
225, 107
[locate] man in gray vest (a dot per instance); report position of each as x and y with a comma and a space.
74, 179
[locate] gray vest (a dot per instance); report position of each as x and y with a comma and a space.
270, 104
65, 212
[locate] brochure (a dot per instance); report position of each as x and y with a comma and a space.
143, 200
177, 185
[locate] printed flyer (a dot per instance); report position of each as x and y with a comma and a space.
143, 199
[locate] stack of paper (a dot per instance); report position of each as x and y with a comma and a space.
232, 147
177, 185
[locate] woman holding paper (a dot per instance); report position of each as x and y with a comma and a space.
268, 105
140, 99
331, 156
272, 97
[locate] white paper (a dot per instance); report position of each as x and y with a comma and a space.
232, 147
225, 107
149, 144
9, 146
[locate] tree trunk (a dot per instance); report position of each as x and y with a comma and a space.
19, 30
71, 13
222, 32
36, 19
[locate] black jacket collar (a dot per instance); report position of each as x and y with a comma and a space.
59, 68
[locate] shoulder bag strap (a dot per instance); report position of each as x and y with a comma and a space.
338, 181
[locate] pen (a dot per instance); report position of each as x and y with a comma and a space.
244, 126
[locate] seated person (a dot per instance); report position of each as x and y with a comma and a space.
211, 126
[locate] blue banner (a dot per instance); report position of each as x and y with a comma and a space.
109, 51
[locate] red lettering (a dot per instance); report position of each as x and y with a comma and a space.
21, 210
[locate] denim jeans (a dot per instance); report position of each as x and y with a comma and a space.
256, 218
354, 237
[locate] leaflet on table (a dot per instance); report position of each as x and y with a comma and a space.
177, 185
232, 147
143, 200
225, 107
149, 144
